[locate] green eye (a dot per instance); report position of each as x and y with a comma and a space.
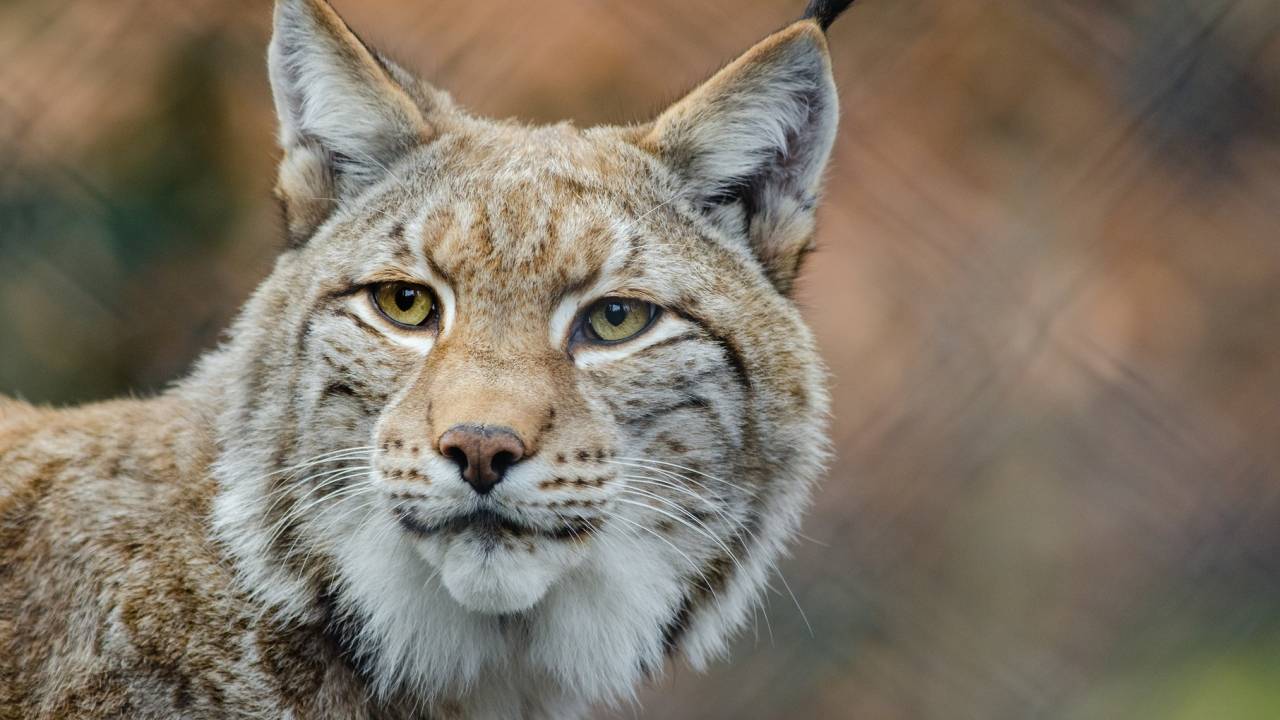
613, 320
404, 303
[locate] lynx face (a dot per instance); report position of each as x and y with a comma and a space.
527, 403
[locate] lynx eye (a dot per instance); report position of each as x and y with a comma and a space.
404, 303
612, 320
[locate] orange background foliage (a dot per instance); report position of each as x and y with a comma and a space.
1048, 289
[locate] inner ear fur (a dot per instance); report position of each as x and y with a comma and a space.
346, 114
751, 144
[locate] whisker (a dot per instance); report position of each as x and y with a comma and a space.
335, 456
322, 458
794, 599
700, 526
815, 541
312, 551
300, 510
658, 482
735, 486
694, 566
663, 482
743, 526
630, 224
327, 478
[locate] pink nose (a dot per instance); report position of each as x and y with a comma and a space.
482, 453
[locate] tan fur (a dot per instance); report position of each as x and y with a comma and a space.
281, 535
114, 599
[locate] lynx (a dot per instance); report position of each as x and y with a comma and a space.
520, 415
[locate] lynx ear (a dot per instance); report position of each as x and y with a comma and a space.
752, 142
346, 115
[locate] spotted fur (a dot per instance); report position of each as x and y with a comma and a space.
281, 534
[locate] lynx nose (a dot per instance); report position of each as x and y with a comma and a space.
482, 453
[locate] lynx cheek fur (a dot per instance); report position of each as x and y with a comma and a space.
520, 414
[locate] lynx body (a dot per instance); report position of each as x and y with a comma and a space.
520, 414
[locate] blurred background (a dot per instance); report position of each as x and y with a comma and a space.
1048, 290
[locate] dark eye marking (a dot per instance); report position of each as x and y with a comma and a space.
362, 325
668, 342
339, 389
731, 350
434, 267
648, 418
346, 392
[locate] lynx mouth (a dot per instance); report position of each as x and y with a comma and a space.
491, 525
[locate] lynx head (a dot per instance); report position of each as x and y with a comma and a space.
526, 406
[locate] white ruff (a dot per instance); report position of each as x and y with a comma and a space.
591, 638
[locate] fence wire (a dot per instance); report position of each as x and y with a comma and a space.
1048, 290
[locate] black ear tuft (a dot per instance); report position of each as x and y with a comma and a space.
825, 11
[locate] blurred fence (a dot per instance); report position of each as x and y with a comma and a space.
1048, 290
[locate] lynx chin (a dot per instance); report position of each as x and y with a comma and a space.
520, 415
